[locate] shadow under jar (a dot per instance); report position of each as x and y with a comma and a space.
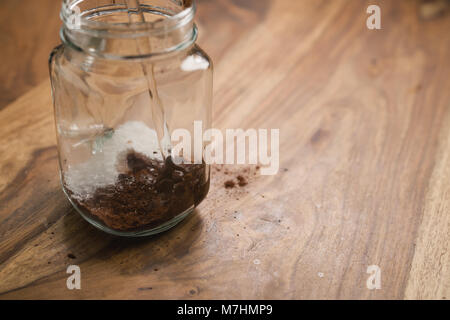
122, 82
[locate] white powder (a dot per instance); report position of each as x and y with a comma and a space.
101, 169
193, 63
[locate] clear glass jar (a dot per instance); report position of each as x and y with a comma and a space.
120, 87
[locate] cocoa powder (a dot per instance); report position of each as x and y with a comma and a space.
148, 194
229, 184
242, 181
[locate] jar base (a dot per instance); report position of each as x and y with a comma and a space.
131, 234
136, 234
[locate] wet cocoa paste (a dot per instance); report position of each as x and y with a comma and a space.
149, 193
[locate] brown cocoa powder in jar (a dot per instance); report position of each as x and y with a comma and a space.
148, 194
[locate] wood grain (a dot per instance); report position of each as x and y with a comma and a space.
29, 31
365, 125
429, 276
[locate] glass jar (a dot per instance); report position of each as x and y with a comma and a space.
123, 80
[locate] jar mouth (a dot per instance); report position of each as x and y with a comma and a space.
78, 15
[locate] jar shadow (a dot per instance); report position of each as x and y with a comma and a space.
87, 243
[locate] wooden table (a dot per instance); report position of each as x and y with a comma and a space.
365, 163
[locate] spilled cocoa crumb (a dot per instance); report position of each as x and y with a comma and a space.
229, 184
234, 179
242, 181
71, 256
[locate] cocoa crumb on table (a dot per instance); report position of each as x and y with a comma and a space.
229, 184
242, 181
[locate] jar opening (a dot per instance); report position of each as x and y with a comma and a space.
88, 24
112, 17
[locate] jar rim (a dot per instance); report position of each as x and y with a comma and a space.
159, 26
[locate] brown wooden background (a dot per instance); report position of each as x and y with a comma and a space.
365, 155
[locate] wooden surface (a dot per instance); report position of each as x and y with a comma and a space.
29, 31
365, 155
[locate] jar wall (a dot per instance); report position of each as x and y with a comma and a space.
112, 168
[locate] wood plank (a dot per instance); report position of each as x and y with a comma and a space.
364, 120
29, 31
430, 274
